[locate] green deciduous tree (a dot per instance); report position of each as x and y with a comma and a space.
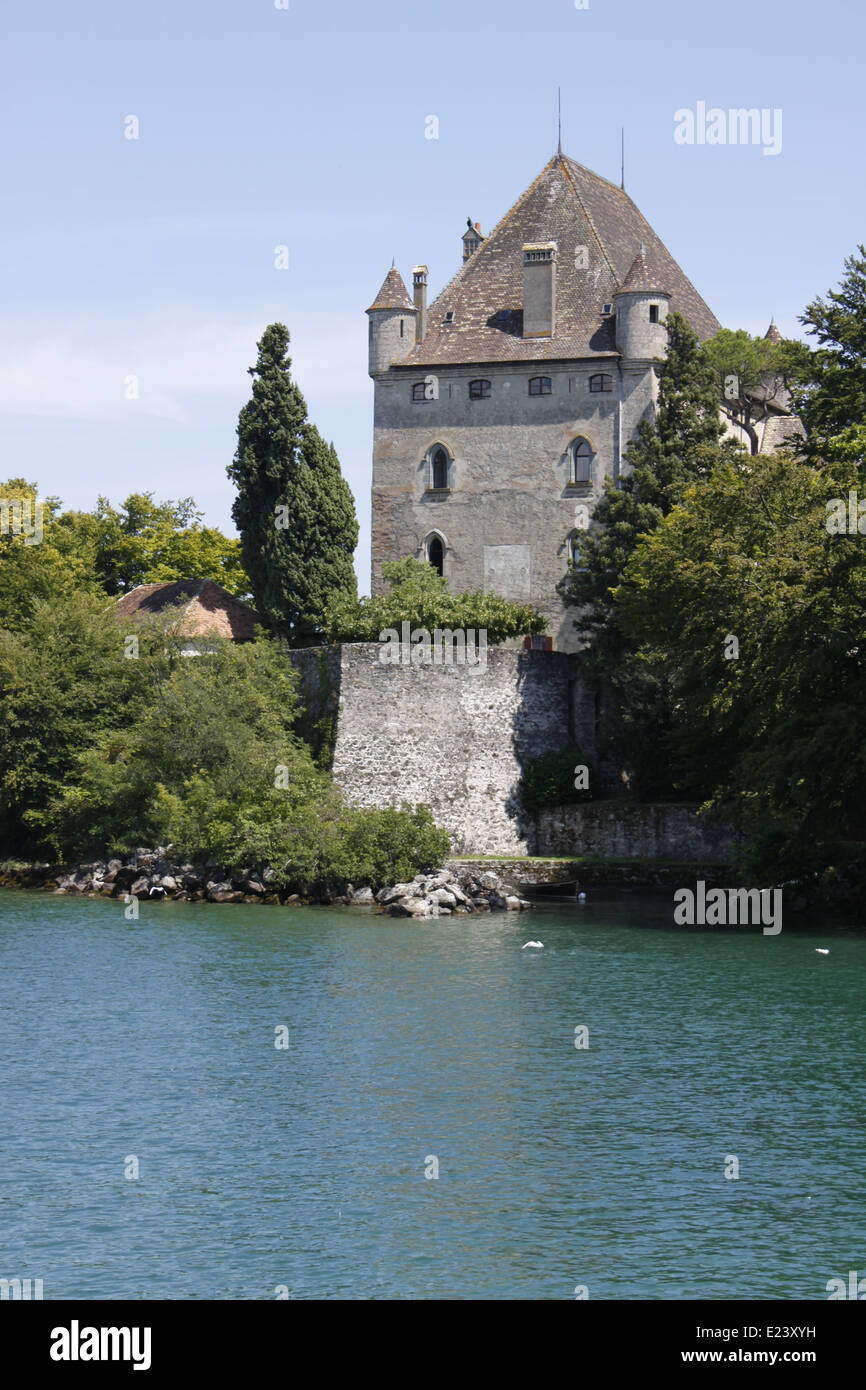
294, 509
109, 550
755, 374
64, 681
767, 725
680, 444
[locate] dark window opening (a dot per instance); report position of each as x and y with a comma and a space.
581, 462
654, 313
418, 390
440, 470
479, 390
436, 554
539, 386
401, 328
601, 381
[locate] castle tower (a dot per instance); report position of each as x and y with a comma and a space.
641, 311
392, 324
497, 420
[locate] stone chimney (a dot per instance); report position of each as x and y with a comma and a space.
419, 294
539, 289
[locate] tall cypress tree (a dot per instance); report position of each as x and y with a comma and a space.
294, 509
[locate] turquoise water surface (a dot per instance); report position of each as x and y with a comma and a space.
411, 1046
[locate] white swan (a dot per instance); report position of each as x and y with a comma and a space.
581, 897
538, 944
822, 951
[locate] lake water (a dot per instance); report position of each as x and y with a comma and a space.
304, 1167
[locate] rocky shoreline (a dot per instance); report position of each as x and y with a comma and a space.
152, 876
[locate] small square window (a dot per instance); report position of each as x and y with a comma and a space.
418, 391
479, 390
540, 386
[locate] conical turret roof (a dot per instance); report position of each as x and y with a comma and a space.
393, 294
641, 277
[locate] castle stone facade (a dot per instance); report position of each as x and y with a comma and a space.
501, 408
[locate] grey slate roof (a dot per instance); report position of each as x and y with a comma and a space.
574, 207
393, 294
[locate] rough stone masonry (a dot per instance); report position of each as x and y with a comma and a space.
454, 737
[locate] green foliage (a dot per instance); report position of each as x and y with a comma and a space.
681, 443
33, 572
833, 400
294, 509
380, 847
100, 753
199, 764
64, 682
770, 736
680, 446
764, 373
549, 780
108, 551
147, 542
421, 597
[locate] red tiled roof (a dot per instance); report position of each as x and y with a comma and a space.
209, 609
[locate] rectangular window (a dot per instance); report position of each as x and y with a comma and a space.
418, 389
601, 381
479, 390
654, 313
540, 386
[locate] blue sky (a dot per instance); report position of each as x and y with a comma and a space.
305, 127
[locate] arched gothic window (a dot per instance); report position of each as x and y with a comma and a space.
581, 462
438, 469
436, 553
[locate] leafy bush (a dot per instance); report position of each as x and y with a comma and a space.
379, 847
197, 752
421, 597
549, 780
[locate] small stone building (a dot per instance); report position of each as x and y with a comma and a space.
208, 610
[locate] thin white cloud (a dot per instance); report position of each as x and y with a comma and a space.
103, 375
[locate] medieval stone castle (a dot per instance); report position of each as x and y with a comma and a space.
501, 407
